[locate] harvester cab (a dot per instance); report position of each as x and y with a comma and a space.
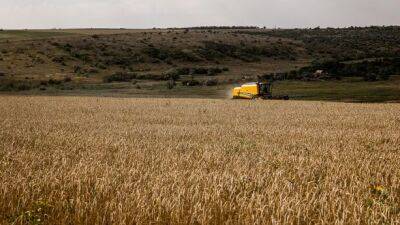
256, 90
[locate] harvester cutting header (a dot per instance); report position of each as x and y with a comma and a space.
256, 90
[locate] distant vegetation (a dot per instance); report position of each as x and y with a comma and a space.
343, 44
247, 53
28, 35
197, 56
223, 28
372, 70
172, 74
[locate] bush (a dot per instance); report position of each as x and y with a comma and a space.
380, 69
24, 86
179, 71
54, 82
59, 59
83, 56
210, 71
211, 82
150, 77
156, 53
17, 86
370, 77
268, 76
174, 73
213, 71
119, 60
170, 84
199, 71
191, 82
44, 83
39, 60
101, 66
67, 79
129, 76
91, 70
77, 69
119, 77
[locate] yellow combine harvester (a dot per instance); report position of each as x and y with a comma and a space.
255, 90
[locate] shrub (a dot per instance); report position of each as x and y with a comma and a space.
199, 71
24, 86
77, 69
170, 84
119, 77
59, 59
123, 60
191, 82
129, 76
213, 71
211, 82
54, 82
370, 77
101, 66
184, 55
67, 47
182, 70
16, 86
210, 71
44, 83
39, 60
92, 70
150, 77
268, 76
222, 48
83, 56
156, 53
173, 73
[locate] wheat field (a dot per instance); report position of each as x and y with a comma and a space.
89, 160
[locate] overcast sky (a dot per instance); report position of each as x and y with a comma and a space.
183, 13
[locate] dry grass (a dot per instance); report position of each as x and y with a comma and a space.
77, 160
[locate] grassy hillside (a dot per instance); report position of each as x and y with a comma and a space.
131, 62
16, 35
342, 44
